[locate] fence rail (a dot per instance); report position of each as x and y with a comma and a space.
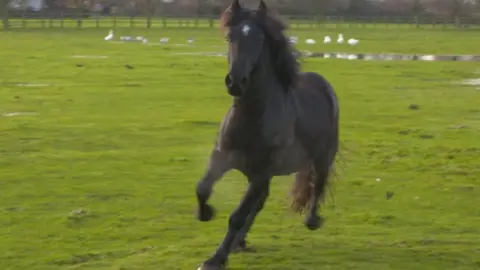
298, 22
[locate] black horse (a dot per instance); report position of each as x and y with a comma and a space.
281, 122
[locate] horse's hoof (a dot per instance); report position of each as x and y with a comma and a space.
239, 246
243, 249
205, 213
314, 222
206, 266
210, 267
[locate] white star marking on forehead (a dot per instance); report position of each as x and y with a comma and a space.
246, 30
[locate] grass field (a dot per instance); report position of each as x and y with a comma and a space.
101, 173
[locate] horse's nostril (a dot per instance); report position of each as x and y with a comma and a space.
244, 81
228, 80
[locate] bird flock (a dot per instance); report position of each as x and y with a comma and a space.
326, 40
191, 40
163, 40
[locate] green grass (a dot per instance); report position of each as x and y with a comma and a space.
103, 176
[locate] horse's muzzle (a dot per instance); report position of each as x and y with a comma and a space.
235, 87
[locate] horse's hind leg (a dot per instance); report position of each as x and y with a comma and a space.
322, 170
217, 167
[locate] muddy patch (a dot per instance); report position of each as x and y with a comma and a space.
90, 56
472, 82
202, 123
202, 53
12, 114
168, 44
152, 43
32, 84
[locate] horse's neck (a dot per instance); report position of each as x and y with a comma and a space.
263, 89
266, 108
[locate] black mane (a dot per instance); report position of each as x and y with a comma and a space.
284, 55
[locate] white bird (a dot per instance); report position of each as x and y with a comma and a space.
164, 40
125, 38
352, 57
310, 41
340, 39
327, 40
293, 40
191, 40
353, 41
139, 38
145, 41
110, 36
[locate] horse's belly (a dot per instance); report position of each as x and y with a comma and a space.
289, 160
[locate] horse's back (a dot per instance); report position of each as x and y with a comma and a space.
311, 84
317, 106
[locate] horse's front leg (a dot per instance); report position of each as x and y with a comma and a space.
258, 187
217, 167
240, 243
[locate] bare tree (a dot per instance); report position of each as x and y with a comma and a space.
417, 7
150, 7
453, 8
4, 13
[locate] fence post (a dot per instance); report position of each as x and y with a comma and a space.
43, 17
24, 21
149, 19
149, 22
4, 14
79, 14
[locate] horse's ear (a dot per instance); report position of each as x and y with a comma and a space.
235, 6
261, 13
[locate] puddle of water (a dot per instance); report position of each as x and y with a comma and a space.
167, 44
472, 81
90, 56
393, 56
152, 43
128, 41
202, 53
370, 56
18, 114
33, 84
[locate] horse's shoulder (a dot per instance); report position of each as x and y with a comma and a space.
307, 80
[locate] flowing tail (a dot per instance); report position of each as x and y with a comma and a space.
304, 186
303, 189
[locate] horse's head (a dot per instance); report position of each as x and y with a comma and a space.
246, 43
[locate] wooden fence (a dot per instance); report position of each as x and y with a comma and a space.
295, 22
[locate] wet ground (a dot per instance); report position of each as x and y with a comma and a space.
370, 56
393, 56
